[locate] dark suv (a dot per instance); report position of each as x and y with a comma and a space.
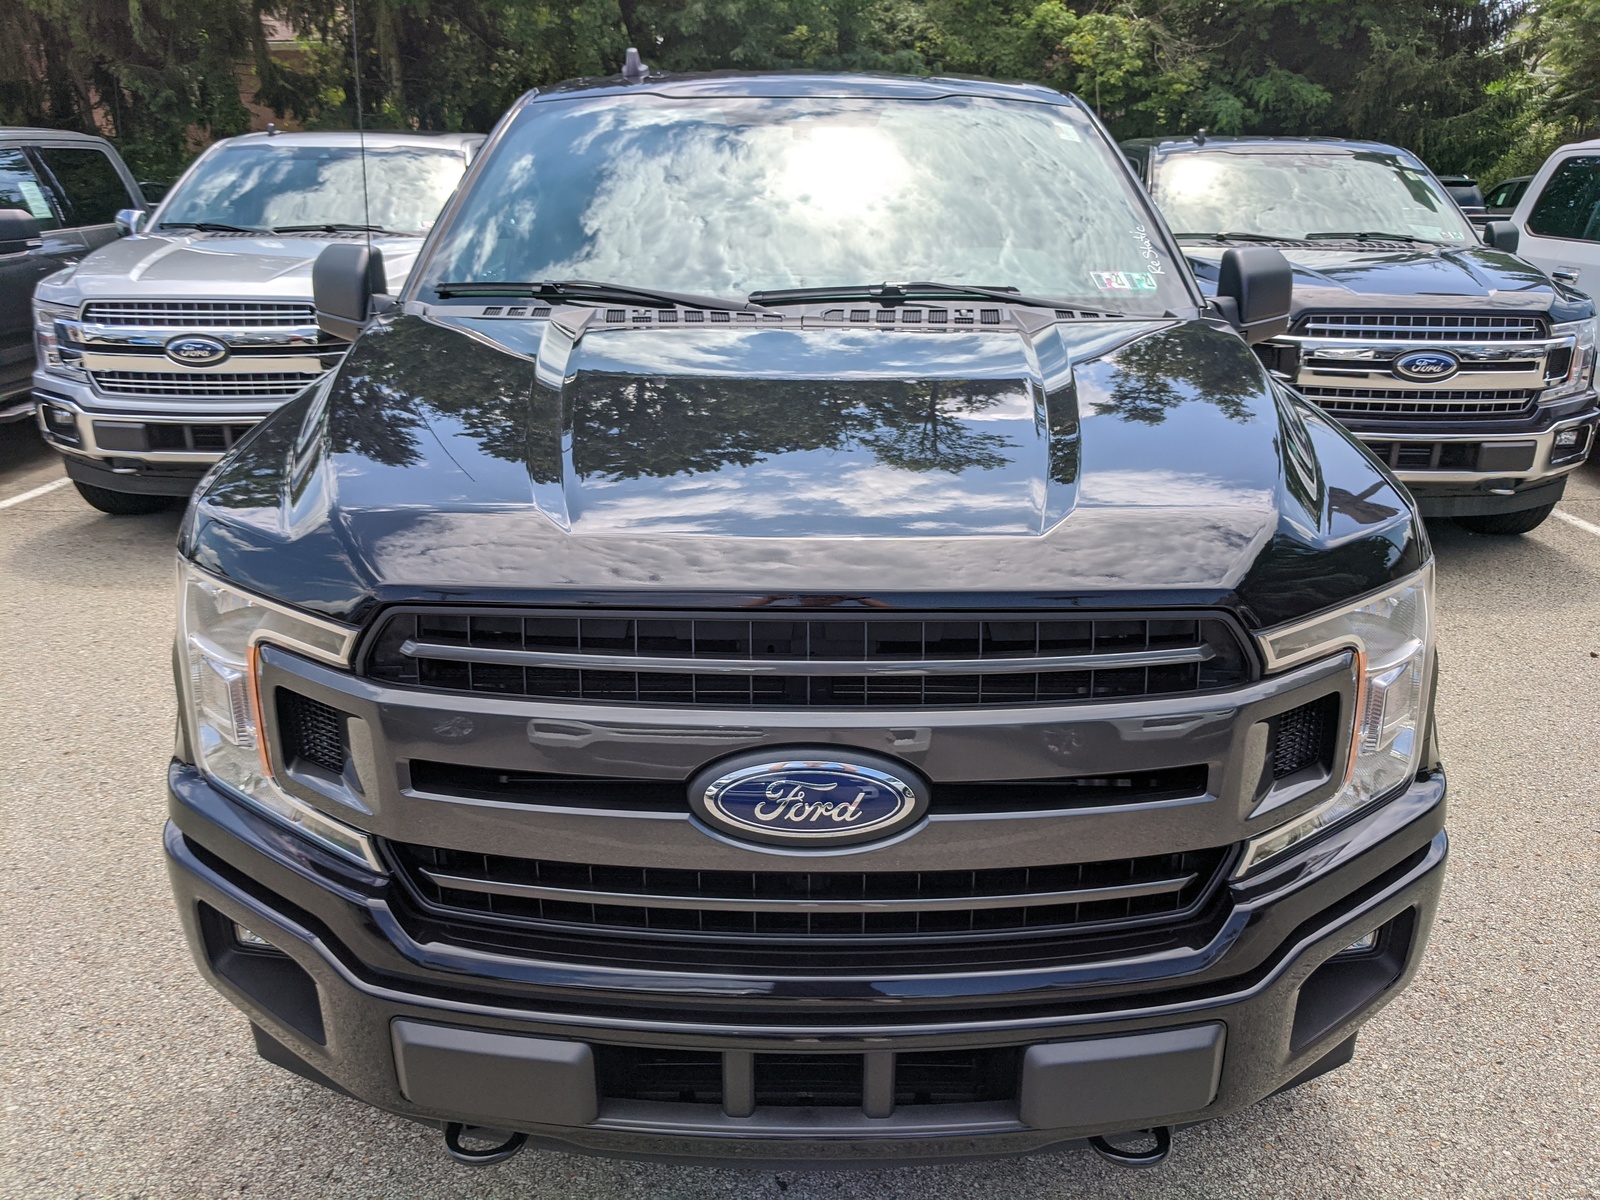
60, 194
800, 636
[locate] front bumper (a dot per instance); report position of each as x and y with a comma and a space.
143, 443
1471, 471
440, 1033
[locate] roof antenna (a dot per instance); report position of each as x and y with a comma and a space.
1200, 137
361, 132
633, 68
272, 129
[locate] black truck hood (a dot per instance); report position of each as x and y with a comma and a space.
1102, 462
1346, 277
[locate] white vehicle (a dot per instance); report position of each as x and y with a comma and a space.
160, 350
1558, 216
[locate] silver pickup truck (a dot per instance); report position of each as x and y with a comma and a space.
162, 349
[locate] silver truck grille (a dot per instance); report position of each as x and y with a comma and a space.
1402, 404
197, 315
177, 383
1420, 327
787, 660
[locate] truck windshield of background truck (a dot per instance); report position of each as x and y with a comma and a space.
1304, 193
726, 196
272, 185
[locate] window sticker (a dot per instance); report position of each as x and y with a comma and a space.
1066, 132
1124, 281
33, 197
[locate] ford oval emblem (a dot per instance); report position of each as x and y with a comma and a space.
1426, 365
194, 351
818, 803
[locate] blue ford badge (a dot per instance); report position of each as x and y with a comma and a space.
1424, 365
816, 803
194, 351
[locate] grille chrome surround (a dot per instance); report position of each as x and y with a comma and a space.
803, 659
199, 314
1421, 327
177, 383
803, 908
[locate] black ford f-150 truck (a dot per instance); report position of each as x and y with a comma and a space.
1465, 368
800, 636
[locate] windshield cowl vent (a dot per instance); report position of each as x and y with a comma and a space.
865, 316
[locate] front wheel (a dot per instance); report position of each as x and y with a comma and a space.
121, 504
1504, 524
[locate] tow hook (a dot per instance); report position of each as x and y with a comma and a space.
1158, 1139
481, 1158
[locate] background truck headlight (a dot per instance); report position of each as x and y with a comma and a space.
220, 630
53, 356
1580, 366
1391, 634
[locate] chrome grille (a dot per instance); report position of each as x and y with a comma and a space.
199, 314
1398, 404
1420, 327
178, 383
845, 660
806, 906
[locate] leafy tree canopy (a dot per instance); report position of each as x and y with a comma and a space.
1468, 84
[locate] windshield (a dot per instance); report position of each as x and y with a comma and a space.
269, 185
1301, 193
728, 196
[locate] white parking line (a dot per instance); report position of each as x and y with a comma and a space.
62, 482
1586, 526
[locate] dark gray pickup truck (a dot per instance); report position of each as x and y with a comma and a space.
1466, 369
800, 636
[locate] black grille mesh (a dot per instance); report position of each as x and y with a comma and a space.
878, 639
1303, 737
312, 731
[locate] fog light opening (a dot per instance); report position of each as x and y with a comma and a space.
251, 940
1567, 437
1362, 945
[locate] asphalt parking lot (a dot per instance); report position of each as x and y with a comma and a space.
122, 1075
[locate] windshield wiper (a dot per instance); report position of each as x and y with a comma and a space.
919, 289
332, 227
1369, 235
211, 227
587, 289
1236, 237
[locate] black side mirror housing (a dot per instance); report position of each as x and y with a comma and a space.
19, 231
344, 279
1502, 235
1254, 287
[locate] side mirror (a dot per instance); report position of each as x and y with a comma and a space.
130, 221
1254, 287
19, 231
343, 281
1502, 235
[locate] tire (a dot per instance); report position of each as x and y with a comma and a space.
122, 504
1505, 524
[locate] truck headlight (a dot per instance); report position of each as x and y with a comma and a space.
1579, 366
220, 631
1391, 635
56, 353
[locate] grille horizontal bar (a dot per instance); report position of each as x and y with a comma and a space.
772, 660
1018, 666
1421, 327
1402, 403
1154, 887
